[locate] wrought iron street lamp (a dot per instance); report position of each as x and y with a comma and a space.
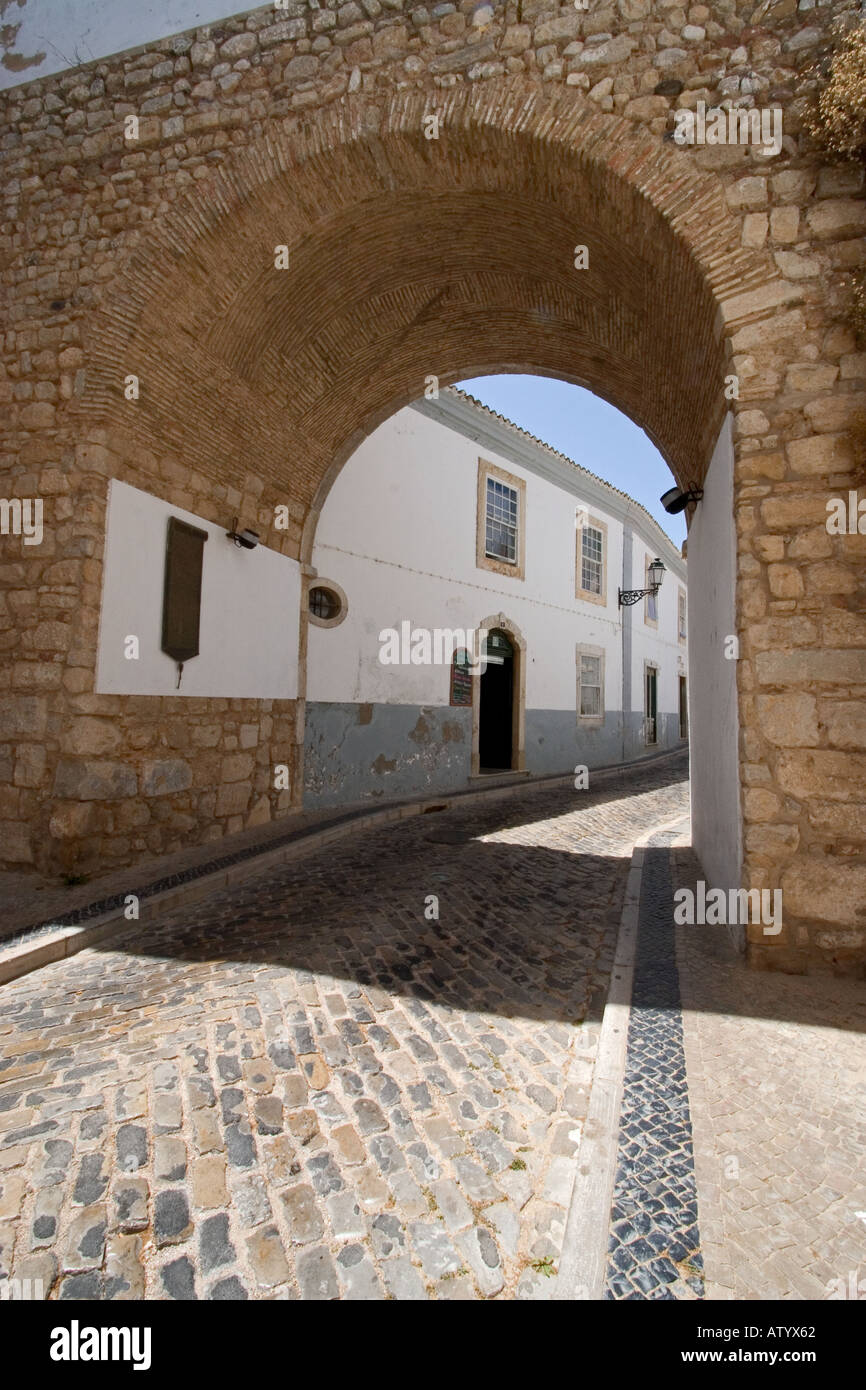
656, 574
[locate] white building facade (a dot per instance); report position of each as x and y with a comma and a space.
450, 520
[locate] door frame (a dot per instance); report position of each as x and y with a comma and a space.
650, 666
683, 689
518, 695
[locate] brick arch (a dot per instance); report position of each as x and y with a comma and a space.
149, 259
411, 257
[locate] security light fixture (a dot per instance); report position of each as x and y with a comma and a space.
675, 500
656, 574
246, 538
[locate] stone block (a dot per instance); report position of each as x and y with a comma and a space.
238, 46
837, 218
771, 841
203, 55
29, 764
760, 804
751, 422
163, 776
796, 267
238, 767
810, 666
823, 772
785, 581
71, 820
830, 577
839, 819
233, 798
810, 376
784, 223
87, 735
820, 455
747, 302
646, 107
844, 722
842, 627
17, 847
824, 890
787, 513
750, 192
564, 26
755, 229
23, 714
260, 813
828, 414
789, 721
517, 38
92, 780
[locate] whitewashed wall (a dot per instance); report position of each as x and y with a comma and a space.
398, 534
249, 610
716, 816
57, 34
658, 645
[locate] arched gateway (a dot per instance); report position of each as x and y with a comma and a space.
280, 275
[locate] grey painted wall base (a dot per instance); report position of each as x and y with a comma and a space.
352, 752
355, 752
555, 742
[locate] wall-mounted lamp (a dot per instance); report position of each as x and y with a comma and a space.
675, 500
656, 574
246, 538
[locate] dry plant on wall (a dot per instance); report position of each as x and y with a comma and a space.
837, 124
837, 120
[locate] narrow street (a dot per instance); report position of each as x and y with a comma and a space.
305, 1087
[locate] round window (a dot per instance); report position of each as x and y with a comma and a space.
327, 605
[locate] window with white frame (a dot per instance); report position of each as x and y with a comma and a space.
681, 615
500, 536
500, 532
590, 683
591, 559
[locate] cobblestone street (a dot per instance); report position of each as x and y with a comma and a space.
312, 1086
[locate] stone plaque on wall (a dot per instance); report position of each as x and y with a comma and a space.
181, 598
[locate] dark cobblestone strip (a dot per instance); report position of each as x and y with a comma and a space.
654, 1247
75, 916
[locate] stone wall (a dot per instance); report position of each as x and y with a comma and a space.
454, 255
137, 775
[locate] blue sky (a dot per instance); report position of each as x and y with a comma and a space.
587, 429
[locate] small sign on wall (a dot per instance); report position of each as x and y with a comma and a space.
461, 678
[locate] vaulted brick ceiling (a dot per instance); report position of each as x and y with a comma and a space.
410, 257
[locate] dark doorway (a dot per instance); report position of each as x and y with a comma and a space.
496, 709
684, 709
651, 703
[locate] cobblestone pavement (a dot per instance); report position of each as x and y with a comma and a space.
654, 1239
311, 1086
777, 1090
